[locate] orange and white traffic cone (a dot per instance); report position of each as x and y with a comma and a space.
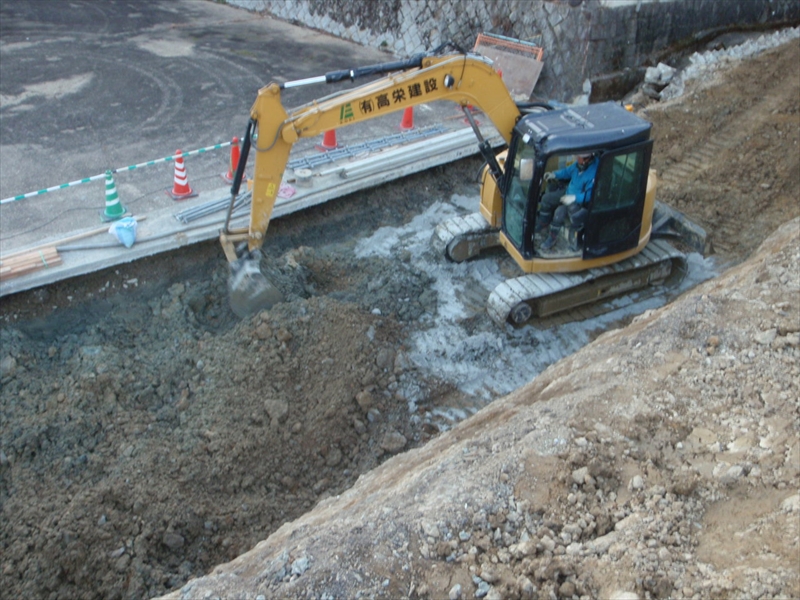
328, 141
408, 119
234, 164
180, 189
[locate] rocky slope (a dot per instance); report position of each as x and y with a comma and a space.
662, 460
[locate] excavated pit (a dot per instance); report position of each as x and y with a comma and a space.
148, 434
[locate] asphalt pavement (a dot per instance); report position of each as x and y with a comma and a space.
87, 86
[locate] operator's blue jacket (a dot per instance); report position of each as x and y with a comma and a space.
580, 183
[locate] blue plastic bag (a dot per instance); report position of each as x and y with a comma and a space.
125, 231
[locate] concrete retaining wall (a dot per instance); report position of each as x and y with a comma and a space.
582, 39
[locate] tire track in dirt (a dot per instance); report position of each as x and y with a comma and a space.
716, 172
739, 131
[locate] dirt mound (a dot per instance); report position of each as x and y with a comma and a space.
727, 150
662, 460
146, 435
164, 436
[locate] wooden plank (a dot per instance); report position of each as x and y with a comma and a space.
43, 261
28, 262
35, 256
24, 270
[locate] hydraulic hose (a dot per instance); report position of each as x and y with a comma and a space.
237, 178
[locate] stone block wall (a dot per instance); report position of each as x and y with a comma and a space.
582, 39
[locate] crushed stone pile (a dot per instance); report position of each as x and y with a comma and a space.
704, 64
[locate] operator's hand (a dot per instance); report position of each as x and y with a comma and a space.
549, 176
567, 199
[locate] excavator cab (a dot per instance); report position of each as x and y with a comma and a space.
545, 142
616, 212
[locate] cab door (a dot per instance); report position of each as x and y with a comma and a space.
615, 216
516, 194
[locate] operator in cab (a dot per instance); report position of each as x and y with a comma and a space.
556, 205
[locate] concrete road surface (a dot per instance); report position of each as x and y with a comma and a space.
87, 86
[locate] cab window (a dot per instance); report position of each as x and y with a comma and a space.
618, 182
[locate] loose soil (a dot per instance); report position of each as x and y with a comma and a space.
147, 435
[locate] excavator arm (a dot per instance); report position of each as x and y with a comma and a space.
464, 79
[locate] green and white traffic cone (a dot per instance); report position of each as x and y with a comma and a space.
114, 210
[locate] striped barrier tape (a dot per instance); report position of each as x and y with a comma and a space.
102, 175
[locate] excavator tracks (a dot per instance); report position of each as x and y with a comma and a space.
557, 298
542, 295
464, 237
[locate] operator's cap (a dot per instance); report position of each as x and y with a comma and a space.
585, 155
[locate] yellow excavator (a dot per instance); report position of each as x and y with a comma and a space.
610, 255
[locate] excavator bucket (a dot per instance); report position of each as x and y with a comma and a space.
249, 290
519, 61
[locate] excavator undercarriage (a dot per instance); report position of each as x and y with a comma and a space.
541, 296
